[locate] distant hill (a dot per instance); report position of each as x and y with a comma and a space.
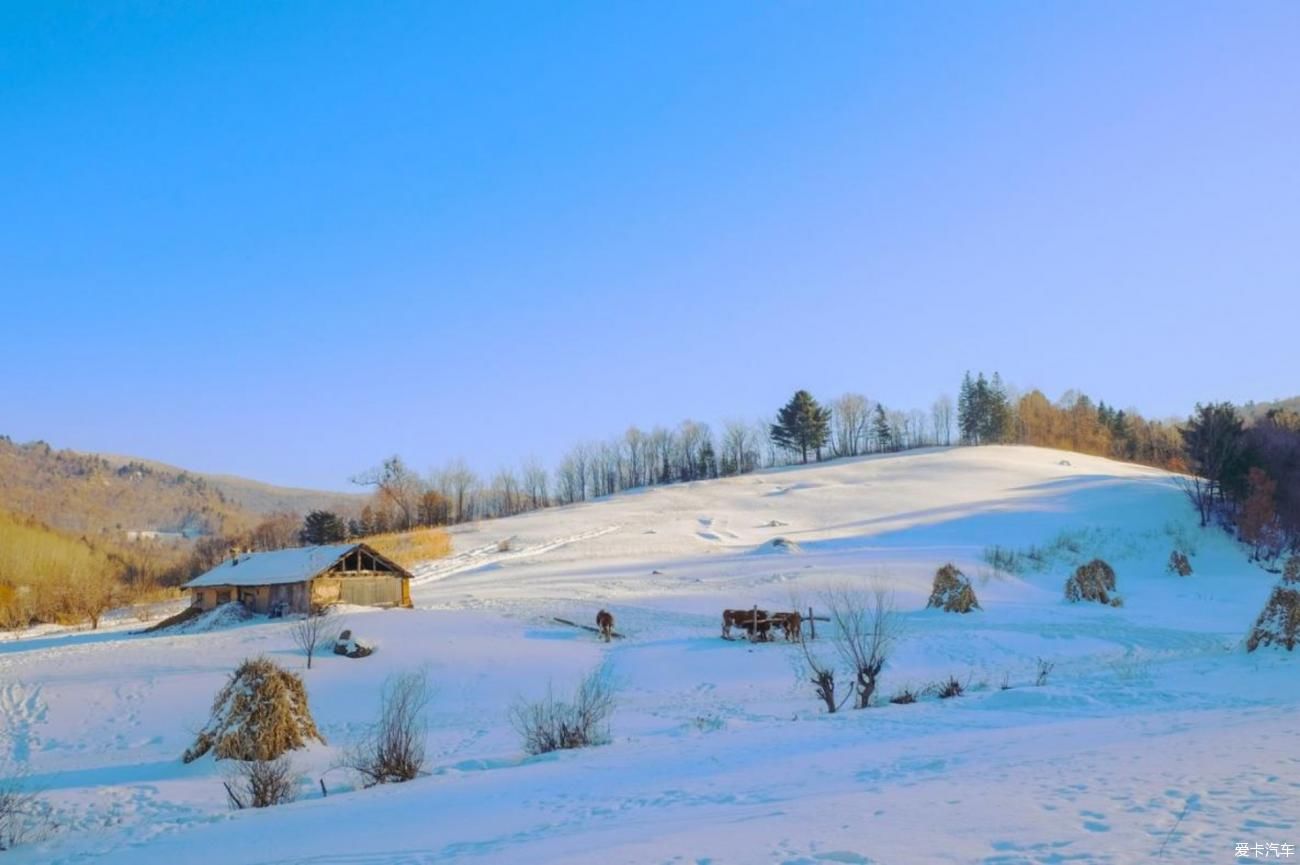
258, 497
113, 496
1254, 410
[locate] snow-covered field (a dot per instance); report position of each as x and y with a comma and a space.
1156, 738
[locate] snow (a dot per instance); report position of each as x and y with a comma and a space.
1156, 729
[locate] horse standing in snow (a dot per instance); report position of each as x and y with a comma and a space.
605, 622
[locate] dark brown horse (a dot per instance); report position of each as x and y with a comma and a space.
605, 622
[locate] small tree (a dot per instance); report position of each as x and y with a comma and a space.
394, 751
314, 630
260, 784
864, 629
553, 725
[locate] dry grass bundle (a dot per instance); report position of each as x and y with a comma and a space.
259, 714
1291, 574
413, 547
904, 697
1179, 564
1279, 623
952, 591
1092, 582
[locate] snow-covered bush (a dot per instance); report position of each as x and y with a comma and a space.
952, 591
1092, 582
1279, 623
259, 714
394, 750
261, 784
555, 725
1179, 564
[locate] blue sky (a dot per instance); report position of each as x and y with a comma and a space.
287, 239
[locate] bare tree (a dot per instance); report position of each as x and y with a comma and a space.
313, 631
739, 448
941, 415
506, 495
94, 594
260, 784
536, 484
864, 626
396, 485
849, 417
458, 483
394, 751
822, 675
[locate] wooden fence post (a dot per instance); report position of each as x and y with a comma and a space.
812, 624
753, 635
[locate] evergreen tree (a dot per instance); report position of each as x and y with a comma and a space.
708, 461
802, 425
322, 527
881, 430
967, 412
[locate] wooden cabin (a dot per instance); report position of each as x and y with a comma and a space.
297, 580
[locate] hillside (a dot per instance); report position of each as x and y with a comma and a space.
113, 495
1154, 731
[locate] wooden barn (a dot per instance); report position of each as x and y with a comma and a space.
297, 580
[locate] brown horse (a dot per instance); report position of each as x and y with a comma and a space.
755, 623
791, 624
605, 622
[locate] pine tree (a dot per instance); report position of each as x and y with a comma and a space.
968, 412
708, 461
802, 425
880, 429
322, 527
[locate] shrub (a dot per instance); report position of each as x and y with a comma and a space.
1179, 564
23, 816
261, 784
259, 714
1044, 670
903, 697
394, 751
952, 591
555, 725
1091, 582
949, 688
1279, 623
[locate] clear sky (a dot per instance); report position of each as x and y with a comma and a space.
287, 239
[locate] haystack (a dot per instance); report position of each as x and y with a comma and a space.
258, 715
1179, 564
1094, 581
1291, 574
1279, 624
952, 591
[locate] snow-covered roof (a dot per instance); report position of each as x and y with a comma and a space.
271, 568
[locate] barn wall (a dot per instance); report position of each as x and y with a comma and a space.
365, 589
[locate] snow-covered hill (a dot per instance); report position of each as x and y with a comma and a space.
1155, 731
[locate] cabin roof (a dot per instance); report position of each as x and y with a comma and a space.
280, 566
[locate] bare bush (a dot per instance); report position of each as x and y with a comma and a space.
394, 751
551, 724
1092, 582
261, 784
948, 688
952, 591
1044, 670
313, 631
1291, 573
865, 627
1179, 564
259, 714
24, 817
904, 697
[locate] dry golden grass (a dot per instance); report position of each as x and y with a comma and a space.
411, 548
